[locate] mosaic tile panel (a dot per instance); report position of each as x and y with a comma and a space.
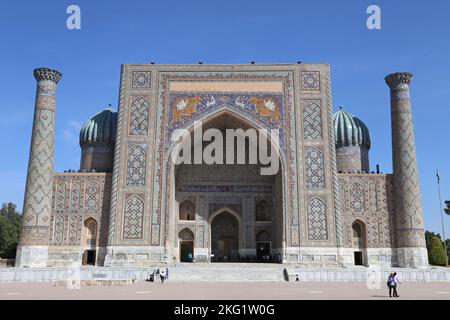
317, 220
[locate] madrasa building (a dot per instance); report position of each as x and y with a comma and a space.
131, 205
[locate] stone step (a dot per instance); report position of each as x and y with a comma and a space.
226, 272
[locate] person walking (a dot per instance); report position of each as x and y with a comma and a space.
396, 283
162, 275
391, 284
167, 273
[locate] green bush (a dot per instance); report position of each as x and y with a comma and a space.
436, 254
9, 230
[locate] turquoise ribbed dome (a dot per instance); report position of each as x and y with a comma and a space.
100, 129
349, 130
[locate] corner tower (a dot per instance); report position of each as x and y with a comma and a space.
411, 249
34, 236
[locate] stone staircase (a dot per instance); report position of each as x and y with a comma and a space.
227, 272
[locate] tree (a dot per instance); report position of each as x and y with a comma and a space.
447, 244
9, 230
429, 238
436, 255
447, 207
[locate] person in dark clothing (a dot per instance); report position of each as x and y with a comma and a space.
162, 275
390, 284
396, 282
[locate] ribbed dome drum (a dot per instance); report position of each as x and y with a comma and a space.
100, 129
97, 140
352, 138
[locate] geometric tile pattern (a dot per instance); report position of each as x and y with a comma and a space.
59, 229
356, 206
357, 202
61, 197
373, 197
142, 79
68, 215
92, 197
136, 166
75, 229
139, 117
133, 218
317, 220
310, 80
314, 169
375, 231
75, 195
312, 121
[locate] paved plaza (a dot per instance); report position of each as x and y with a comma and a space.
224, 291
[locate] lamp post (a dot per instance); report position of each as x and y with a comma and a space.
442, 216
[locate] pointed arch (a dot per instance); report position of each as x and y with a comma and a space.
359, 234
90, 232
263, 211
263, 236
186, 235
186, 211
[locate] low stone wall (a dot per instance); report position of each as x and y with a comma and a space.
368, 274
239, 272
64, 274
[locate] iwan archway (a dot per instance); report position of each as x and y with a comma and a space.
225, 236
224, 199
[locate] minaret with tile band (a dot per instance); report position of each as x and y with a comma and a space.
409, 227
34, 237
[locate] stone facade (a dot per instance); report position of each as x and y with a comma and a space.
149, 210
78, 198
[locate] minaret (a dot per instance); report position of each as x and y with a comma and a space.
34, 236
411, 249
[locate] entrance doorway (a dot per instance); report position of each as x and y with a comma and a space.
359, 258
225, 238
90, 235
89, 258
186, 251
359, 242
263, 252
186, 237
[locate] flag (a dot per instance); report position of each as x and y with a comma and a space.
437, 175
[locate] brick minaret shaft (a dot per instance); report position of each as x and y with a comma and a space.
34, 238
409, 227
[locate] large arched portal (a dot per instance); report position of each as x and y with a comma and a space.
225, 238
231, 202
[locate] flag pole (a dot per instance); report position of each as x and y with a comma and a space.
442, 216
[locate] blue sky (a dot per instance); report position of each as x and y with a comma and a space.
414, 37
